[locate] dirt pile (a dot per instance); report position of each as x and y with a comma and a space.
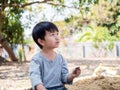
96, 83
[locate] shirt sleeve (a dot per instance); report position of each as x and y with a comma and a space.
65, 73
35, 74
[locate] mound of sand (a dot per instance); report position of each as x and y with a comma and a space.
96, 83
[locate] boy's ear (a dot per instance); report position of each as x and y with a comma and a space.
40, 41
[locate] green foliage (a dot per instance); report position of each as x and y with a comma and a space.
103, 12
12, 29
111, 46
103, 16
104, 45
83, 2
28, 41
98, 35
63, 26
107, 14
85, 37
59, 1
62, 1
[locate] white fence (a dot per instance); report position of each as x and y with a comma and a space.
87, 50
76, 51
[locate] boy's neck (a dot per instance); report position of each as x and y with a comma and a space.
50, 54
48, 51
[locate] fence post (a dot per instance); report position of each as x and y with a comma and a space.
83, 51
117, 51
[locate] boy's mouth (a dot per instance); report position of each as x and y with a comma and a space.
58, 42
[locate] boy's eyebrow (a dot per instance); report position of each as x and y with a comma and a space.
53, 31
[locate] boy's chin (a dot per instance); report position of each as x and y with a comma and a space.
57, 46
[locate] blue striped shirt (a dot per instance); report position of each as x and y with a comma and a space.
49, 73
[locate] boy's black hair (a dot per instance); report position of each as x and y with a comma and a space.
39, 31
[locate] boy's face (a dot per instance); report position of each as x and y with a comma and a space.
52, 40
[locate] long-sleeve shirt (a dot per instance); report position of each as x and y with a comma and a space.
49, 73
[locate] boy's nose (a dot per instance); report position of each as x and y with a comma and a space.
57, 37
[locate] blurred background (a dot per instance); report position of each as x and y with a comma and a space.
89, 30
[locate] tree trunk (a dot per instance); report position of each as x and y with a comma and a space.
3, 42
8, 49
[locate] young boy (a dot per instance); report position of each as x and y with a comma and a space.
48, 70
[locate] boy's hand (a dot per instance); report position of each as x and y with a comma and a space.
76, 72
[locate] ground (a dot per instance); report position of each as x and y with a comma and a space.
96, 83
15, 76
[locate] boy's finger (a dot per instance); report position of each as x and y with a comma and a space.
76, 70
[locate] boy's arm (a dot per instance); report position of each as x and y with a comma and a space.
35, 75
40, 87
76, 72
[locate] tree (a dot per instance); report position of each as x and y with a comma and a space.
107, 14
10, 25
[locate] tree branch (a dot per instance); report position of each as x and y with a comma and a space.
50, 2
55, 4
45, 1
22, 5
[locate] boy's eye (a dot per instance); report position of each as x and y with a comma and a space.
53, 34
